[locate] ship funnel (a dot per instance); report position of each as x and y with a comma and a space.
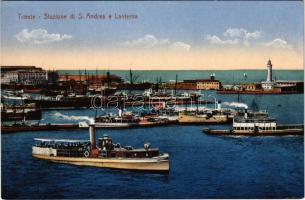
146, 146
219, 105
92, 135
120, 112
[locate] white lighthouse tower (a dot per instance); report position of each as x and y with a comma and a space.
269, 72
268, 84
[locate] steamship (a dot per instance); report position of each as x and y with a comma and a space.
19, 112
258, 124
128, 120
105, 154
121, 120
62, 102
206, 116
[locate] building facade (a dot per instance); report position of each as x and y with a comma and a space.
32, 77
23, 75
297, 86
186, 85
251, 86
199, 84
9, 77
91, 78
268, 85
208, 84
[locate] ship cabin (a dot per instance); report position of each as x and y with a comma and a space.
84, 148
116, 119
254, 124
110, 150
205, 113
66, 148
167, 111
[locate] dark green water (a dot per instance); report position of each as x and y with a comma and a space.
225, 76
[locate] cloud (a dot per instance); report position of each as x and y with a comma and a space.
181, 46
213, 39
150, 41
243, 37
40, 36
235, 36
234, 32
277, 43
254, 35
242, 33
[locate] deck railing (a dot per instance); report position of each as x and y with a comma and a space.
290, 126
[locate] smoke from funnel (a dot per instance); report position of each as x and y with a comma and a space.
73, 117
236, 104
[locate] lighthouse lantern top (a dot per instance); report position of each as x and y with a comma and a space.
269, 63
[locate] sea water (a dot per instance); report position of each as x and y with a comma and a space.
201, 166
225, 76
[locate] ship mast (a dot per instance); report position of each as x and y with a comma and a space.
176, 82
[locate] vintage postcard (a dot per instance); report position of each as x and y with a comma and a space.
152, 99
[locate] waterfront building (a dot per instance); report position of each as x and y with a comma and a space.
5, 69
251, 86
208, 84
268, 85
26, 75
288, 83
91, 78
187, 85
9, 77
289, 86
198, 84
230, 87
32, 77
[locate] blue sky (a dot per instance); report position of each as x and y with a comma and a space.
191, 25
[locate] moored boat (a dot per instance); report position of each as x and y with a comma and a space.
36, 127
208, 117
20, 112
105, 154
121, 120
61, 102
258, 125
153, 120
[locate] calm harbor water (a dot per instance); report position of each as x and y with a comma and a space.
225, 76
201, 166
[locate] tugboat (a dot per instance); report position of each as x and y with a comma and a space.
105, 154
258, 125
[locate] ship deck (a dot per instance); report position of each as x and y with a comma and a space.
278, 132
156, 164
